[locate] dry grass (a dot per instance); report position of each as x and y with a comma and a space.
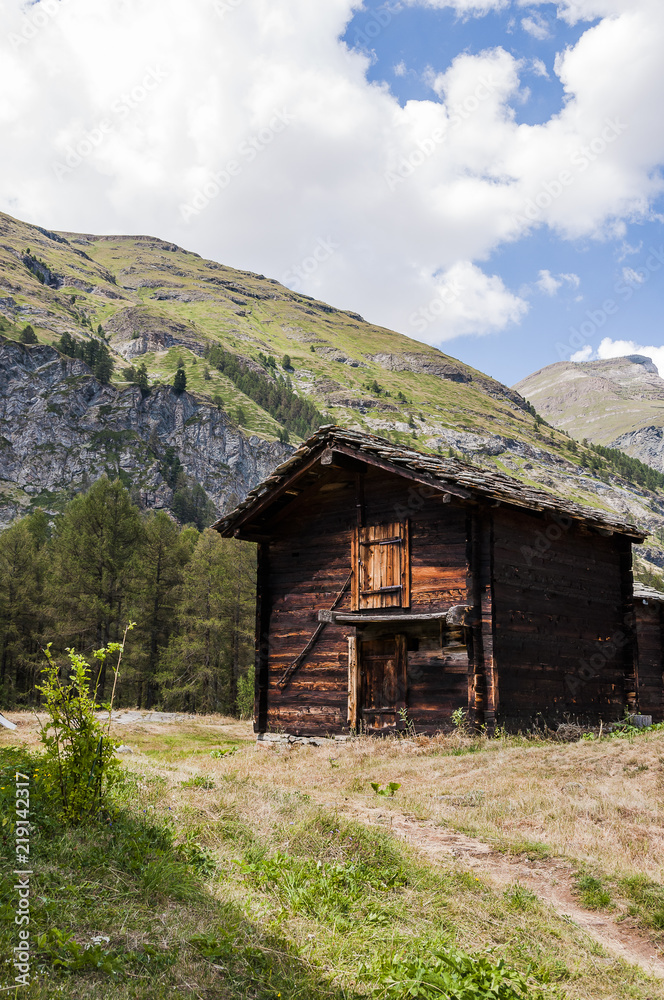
596, 803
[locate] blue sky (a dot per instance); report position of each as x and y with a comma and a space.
404, 44
484, 175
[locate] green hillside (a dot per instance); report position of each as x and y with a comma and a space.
160, 305
272, 364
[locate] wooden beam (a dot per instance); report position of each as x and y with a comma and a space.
452, 617
630, 648
262, 649
338, 460
405, 473
289, 671
353, 681
268, 498
487, 620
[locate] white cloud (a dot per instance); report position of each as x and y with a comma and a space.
474, 8
585, 354
621, 348
536, 26
400, 69
539, 68
549, 284
632, 277
469, 301
483, 181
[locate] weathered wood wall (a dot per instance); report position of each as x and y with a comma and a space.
562, 639
309, 562
551, 633
649, 625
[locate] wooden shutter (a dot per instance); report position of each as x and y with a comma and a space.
381, 566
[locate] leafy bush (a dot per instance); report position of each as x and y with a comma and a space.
452, 974
79, 760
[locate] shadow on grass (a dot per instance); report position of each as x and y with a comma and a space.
118, 909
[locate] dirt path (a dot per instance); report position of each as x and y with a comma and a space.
551, 880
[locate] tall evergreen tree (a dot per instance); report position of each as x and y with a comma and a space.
215, 636
180, 381
94, 543
164, 554
22, 616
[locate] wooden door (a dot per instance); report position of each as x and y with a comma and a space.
383, 670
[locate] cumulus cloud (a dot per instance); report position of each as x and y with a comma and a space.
585, 354
469, 301
549, 284
609, 348
620, 348
536, 26
246, 130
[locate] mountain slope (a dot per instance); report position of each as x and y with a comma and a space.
617, 402
255, 354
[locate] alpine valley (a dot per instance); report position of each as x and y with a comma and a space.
88, 388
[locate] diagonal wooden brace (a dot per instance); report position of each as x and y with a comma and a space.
289, 671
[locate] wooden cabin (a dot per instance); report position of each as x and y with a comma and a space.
396, 587
649, 623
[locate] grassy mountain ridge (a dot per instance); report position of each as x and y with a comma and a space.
599, 400
257, 352
158, 303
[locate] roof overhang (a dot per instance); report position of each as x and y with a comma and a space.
333, 448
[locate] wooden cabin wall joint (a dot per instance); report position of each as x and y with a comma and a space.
262, 647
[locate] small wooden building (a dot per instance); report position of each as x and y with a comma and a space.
649, 621
396, 587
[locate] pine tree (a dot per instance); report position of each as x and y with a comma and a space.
180, 381
28, 335
199, 669
164, 553
22, 614
94, 543
141, 379
103, 365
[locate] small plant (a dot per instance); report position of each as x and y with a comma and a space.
455, 975
520, 898
592, 893
389, 789
223, 752
198, 781
79, 754
459, 720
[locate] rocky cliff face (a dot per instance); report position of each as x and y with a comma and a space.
61, 429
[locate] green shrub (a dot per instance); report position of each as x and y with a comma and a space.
79, 762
